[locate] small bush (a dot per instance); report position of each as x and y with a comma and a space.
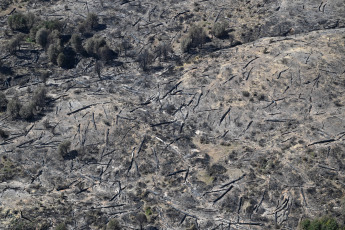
64, 148
61, 226
52, 25
21, 22
186, 45
196, 38
3, 102
13, 108
145, 59
98, 48
76, 43
326, 223
3, 134
163, 50
27, 112
61, 60
91, 21
42, 37
113, 224
219, 29
93, 44
54, 37
14, 44
105, 53
40, 96
53, 52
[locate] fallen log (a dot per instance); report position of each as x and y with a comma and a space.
322, 142
221, 196
81, 109
231, 182
224, 115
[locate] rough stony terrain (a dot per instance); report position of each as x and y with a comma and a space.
246, 132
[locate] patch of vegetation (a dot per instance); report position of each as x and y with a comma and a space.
324, 223
219, 29
21, 22
196, 37
8, 169
97, 47
27, 112
113, 224
3, 102
145, 59
61, 226
63, 149
15, 43
76, 43
90, 23
13, 108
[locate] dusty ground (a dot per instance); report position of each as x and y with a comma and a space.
239, 136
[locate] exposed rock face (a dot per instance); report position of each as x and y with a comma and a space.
247, 135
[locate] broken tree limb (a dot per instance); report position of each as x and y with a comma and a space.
322, 142
249, 73
177, 172
231, 182
172, 89
81, 109
221, 196
163, 123
197, 103
224, 115
280, 73
250, 62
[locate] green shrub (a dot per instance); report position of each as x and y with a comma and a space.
3, 102
53, 52
98, 48
52, 25
13, 108
61, 226
39, 97
145, 59
91, 21
41, 37
61, 60
21, 22
93, 44
26, 112
64, 148
76, 43
14, 43
105, 53
324, 223
3, 134
113, 224
196, 37
54, 37
186, 45
89, 24
219, 29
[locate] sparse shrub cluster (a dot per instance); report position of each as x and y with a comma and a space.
21, 22
320, 224
89, 24
27, 112
145, 59
219, 29
196, 37
15, 43
63, 149
97, 47
3, 102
